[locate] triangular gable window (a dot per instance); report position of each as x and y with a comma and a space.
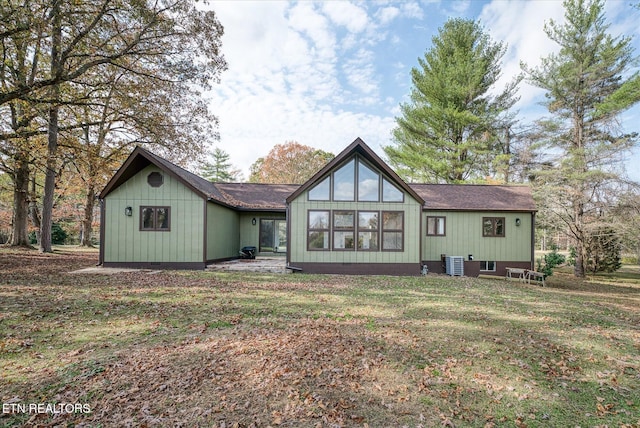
390, 193
344, 184
321, 191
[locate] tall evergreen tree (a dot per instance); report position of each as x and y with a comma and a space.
453, 127
220, 169
586, 144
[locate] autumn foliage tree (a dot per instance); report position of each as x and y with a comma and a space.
59, 59
289, 163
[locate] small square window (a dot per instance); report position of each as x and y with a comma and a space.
493, 227
155, 219
488, 266
436, 226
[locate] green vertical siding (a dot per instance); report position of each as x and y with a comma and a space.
125, 243
298, 235
223, 232
464, 237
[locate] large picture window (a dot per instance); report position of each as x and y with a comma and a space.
155, 219
368, 184
355, 230
436, 226
343, 230
392, 230
318, 231
344, 182
493, 227
368, 230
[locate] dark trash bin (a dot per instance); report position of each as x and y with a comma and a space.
248, 252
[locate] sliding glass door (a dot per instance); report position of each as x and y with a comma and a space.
273, 236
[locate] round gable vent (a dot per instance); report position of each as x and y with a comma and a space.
155, 179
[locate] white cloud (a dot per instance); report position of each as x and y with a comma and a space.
525, 37
346, 14
274, 119
283, 79
360, 72
387, 14
460, 6
411, 10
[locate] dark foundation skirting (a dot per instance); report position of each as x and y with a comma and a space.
472, 268
156, 265
397, 269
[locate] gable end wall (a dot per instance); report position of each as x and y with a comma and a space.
126, 244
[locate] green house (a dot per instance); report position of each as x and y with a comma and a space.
354, 216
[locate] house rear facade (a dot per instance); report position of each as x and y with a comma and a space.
354, 216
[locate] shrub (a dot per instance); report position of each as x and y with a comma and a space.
551, 261
58, 235
604, 251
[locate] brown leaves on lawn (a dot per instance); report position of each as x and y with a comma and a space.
224, 350
317, 371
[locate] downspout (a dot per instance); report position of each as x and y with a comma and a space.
533, 241
420, 216
102, 232
204, 238
286, 213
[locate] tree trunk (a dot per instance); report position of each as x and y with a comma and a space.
87, 222
34, 212
579, 268
52, 133
19, 236
49, 182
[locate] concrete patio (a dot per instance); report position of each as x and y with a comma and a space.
259, 264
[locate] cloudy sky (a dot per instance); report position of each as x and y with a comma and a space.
324, 73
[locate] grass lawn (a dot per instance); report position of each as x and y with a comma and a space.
219, 349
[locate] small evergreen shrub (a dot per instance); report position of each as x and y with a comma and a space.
551, 261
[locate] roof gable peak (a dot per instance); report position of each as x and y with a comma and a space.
358, 146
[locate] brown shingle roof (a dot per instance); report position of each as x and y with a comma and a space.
471, 197
242, 196
272, 197
255, 196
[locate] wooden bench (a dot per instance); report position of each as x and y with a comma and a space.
536, 276
518, 272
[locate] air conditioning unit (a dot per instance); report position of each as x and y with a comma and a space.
454, 265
